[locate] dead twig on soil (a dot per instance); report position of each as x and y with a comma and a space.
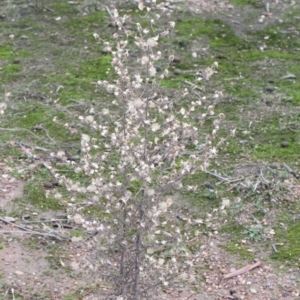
194, 86
290, 170
224, 179
242, 270
29, 231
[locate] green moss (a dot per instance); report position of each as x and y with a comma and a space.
170, 83
255, 55
238, 250
244, 2
87, 25
6, 52
77, 233
194, 27
35, 194
290, 250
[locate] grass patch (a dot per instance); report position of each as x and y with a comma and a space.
290, 250
35, 194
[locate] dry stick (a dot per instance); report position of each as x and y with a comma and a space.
32, 232
242, 270
290, 171
25, 230
45, 221
228, 180
194, 86
19, 129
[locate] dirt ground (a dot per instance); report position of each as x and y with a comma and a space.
31, 271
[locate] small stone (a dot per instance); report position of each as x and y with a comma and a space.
176, 59
19, 273
106, 50
48, 185
208, 185
284, 144
157, 68
17, 61
9, 219
270, 88
253, 291
289, 76
177, 72
74, 265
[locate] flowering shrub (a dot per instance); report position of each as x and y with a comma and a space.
145, 146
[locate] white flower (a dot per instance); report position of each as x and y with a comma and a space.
144, 60
152, 42
182, 111
172, 24
141, 5
213, 151
155, 127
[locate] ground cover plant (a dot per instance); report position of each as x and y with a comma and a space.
63, 133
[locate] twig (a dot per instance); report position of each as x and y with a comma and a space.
45, 221
196, 87
217, 175
274, 248
19, 129
33, 232
47, 8
242, 270
13, 293
290, 171
228, 180
36, 148
6, 293
26, 230
109, 12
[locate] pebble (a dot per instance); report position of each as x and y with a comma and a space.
177, 72
106, 50
284, 144
19, 273
253, 291
9, 219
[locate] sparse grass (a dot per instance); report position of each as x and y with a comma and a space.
289, 249
35, 194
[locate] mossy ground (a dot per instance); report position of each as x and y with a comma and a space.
50, 61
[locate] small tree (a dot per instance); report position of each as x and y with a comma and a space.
144, 149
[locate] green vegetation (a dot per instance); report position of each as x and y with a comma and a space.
35, 194
289, 244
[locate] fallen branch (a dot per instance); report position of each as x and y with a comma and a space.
51, 233
34, 233
194, 86
242, 270
224, 179
290, 171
